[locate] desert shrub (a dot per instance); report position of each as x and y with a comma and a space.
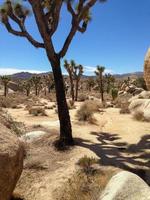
87, 110
86, 163
138, 115
82, 97
37, 111
49, 107
125, 108
7, 102
83, 186
114, 93
71, 104
17, 128
140, 82
85, 113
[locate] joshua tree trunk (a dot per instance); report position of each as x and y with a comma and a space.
63, 113
5, 90
36, 91
77, 85
28, 92
72, 87
101, 90
45, 92
49, 89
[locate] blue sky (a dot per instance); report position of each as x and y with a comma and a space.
117, 37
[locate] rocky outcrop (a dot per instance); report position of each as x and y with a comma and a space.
11, 162
126, 186
140, 107
13, 86
147, 69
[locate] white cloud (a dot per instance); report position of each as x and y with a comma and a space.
9, 71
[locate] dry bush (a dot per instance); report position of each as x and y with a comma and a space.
125, 108
15, 100
138, 115
37, 111
49, 107
82, 97
17, 128
86, 164
85, 186
87, 110
71, 104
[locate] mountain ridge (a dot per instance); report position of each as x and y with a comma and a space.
28, 75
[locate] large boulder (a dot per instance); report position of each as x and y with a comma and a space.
11, 162
147, 69
126, 186
141, 108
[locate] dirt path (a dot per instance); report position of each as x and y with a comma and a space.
117, 140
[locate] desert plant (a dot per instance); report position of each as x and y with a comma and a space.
82, 97
47, 17
17, 128
138, 115
87, 110
78, 72
5, 81
90, 83
140, 82
71, 104
86, 163
100, 79
70, 67
109, 79
36, 81
27, 87
114, 93
36, 111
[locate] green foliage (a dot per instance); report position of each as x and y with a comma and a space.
114, 93
140, 82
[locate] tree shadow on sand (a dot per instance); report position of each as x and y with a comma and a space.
131, 157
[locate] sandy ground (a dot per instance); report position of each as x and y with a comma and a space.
117, 140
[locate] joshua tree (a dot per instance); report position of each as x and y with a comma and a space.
109, 79
70, 67
27, 87
5, 80
36, 81
99, 73
49, 81
78, 71
90, 83
47, 17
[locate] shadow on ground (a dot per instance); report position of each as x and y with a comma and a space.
131, 157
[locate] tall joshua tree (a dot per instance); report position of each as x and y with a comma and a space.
78, 71
5, 81
109, 79
47, 17
27, 87
90, 83
99, 73
36, 80
70, 67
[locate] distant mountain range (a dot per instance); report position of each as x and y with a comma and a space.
27, 75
